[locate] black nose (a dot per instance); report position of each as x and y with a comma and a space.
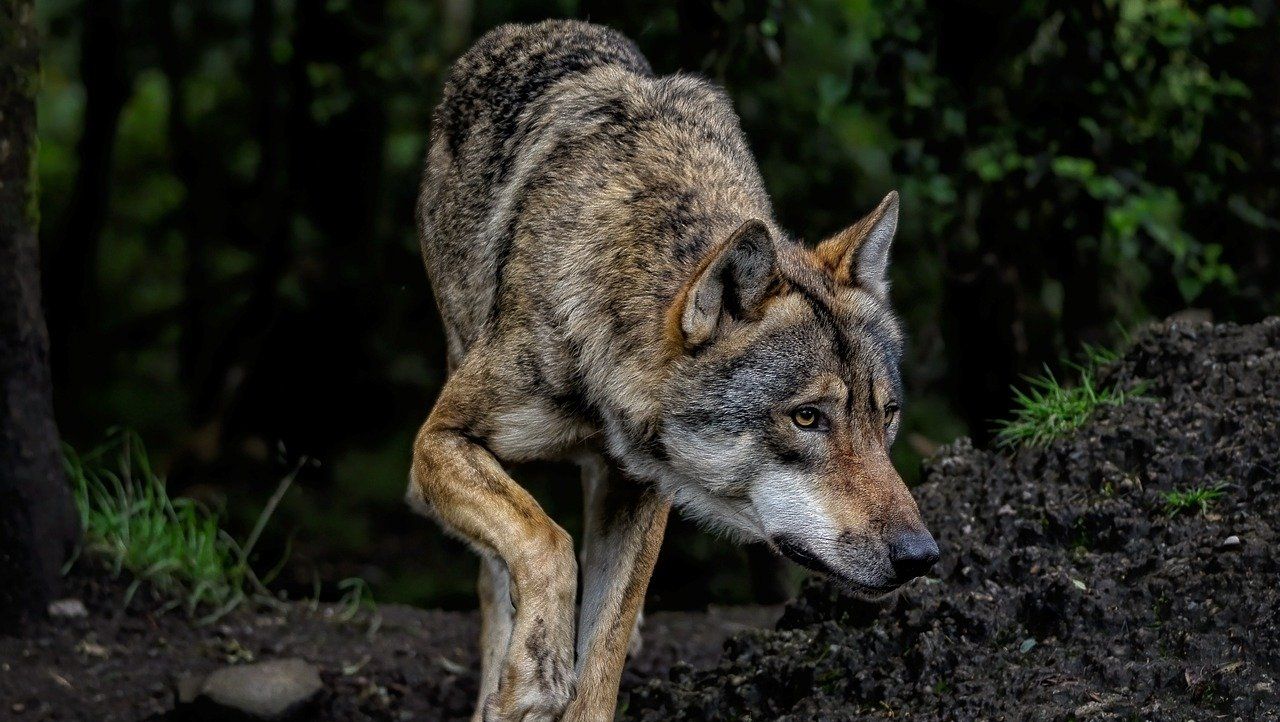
913, 553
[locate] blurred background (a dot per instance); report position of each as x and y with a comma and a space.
231, 266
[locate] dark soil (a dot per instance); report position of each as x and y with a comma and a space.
419, 665
1066, 590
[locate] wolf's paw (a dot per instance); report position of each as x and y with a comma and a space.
534, 705
537, 689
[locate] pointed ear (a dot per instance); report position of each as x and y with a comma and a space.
732, 282
859, 255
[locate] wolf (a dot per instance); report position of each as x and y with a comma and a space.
615, 291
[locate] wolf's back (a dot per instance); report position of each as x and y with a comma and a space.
477, 138
511, 65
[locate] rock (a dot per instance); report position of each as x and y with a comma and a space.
1231, 542
67, 609
90, 648
189, 686
281, 689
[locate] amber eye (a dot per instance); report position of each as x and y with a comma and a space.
890, 413
806, 417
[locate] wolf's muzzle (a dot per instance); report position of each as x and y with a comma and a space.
797, 553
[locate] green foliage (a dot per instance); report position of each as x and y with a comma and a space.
1196, 499
1062, 166
1111, 130
174, 545
1049, 410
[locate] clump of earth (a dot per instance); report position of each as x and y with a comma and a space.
1070, 587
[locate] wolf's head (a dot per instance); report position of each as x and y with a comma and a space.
786, 398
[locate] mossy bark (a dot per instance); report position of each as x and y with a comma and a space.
38, 523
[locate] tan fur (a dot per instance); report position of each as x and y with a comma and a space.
836, 254
496, 618
624, 528
467, 490
602, 251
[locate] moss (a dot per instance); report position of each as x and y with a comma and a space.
21, 63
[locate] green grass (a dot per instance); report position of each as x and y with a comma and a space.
1192, 500
1049, 409
173, 545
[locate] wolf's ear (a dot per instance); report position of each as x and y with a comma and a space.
734, 281
859, 255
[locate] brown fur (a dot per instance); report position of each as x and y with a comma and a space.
615, 291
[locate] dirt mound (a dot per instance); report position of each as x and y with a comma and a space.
1068, 589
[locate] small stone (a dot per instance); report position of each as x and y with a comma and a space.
18, 708
189, 686
273, 690
1231, 542
58, 678
90, 648
67, 609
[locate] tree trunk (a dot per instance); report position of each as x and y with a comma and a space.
37, 519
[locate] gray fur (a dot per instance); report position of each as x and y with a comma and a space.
614, 285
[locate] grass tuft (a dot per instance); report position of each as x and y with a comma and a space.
1196, 499
174, 545
356, 595
1049, 410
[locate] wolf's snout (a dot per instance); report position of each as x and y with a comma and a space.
797, 552
912, 553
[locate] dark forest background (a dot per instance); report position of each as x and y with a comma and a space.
231, 268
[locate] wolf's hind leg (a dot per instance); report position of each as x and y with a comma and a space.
637, 634
458, 481
624, 524
496, 618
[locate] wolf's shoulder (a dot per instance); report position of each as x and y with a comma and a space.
554, 46
511, 65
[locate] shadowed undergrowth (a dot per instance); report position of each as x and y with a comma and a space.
175, 546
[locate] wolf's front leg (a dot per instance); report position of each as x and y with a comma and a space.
463, 486
496, 619
624, 524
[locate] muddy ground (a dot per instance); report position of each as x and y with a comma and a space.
1067, 590
420, 665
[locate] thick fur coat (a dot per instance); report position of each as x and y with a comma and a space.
616, 291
